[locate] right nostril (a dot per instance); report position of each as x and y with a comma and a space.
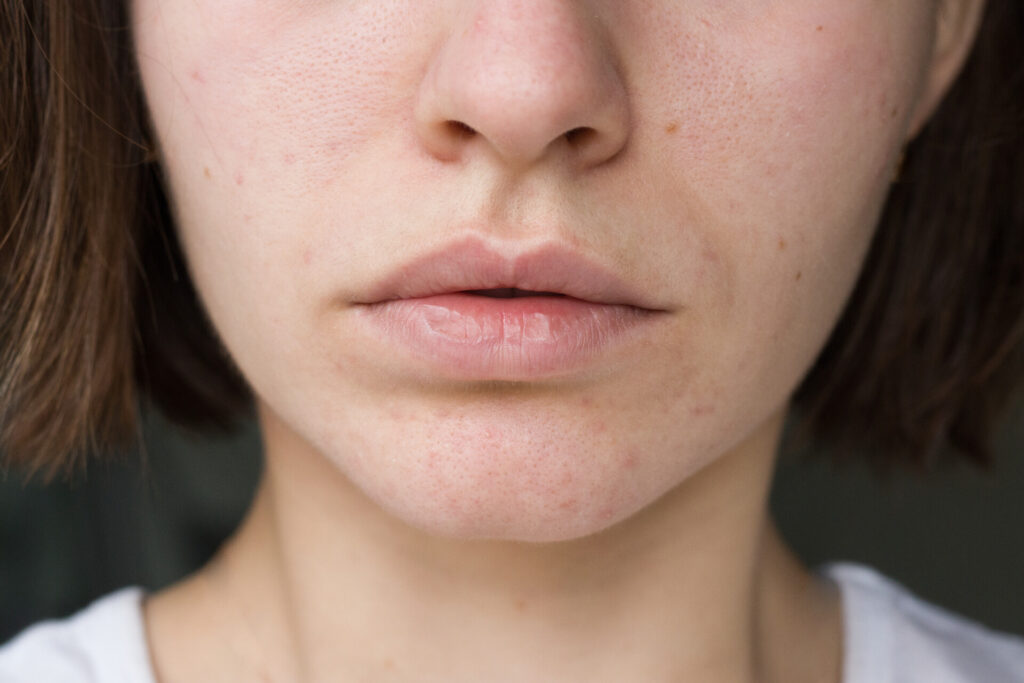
460, 129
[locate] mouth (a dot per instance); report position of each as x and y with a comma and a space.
468, 312
508, 293
474, 267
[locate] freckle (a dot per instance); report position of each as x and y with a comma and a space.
894, 113
239, 180
799, 276
782, 244
821, 28
206, 171
672, 128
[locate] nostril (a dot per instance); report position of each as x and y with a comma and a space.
460, 129
579, 136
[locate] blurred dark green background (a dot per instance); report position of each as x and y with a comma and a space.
956, 539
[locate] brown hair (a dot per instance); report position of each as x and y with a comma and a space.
98, 315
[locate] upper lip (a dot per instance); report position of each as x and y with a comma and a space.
473, 264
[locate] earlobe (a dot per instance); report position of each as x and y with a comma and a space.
957, 24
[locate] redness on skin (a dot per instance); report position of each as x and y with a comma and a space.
239, 179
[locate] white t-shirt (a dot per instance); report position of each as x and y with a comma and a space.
890, 636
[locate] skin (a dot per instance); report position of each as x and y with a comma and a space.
608, 524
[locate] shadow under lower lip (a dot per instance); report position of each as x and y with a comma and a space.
482, 337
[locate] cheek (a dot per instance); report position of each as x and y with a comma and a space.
285, 101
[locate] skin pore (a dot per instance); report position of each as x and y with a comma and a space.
604, 524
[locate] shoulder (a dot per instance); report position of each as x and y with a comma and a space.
893, 636
103, 643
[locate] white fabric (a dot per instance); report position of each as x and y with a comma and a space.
891, 636
103, 643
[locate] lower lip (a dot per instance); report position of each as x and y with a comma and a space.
477, 337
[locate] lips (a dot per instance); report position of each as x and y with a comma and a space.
469, 312
471, 265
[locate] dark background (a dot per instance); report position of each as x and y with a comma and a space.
956, 538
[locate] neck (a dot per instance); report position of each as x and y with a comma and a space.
695, 587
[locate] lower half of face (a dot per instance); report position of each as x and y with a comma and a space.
725, 160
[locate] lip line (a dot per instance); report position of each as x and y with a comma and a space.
472, 263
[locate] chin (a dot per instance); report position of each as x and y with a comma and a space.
519, 485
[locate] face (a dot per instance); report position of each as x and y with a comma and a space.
724, 162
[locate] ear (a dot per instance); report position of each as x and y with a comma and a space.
957, 23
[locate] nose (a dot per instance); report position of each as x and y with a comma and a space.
524, 80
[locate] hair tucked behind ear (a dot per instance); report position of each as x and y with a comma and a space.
91, 307
932, 342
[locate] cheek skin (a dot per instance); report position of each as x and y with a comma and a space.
308, 94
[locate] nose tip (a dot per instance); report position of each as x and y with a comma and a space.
525, 81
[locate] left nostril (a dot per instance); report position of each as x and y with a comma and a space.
579, 136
